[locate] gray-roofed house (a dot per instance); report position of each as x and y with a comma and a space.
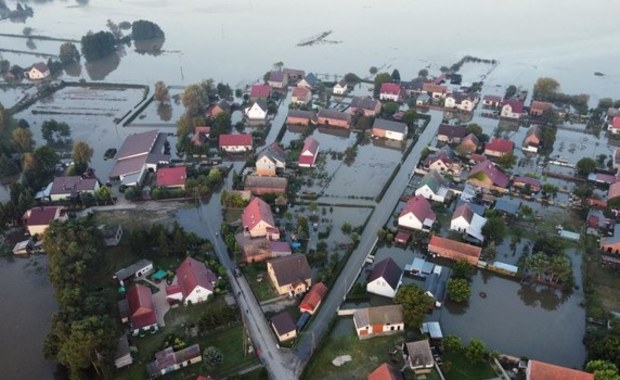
71, 187
389, 129
284, 326
257, 111
433, 187
290, 274
334, 118
168, 360
435, 285
139, 153
418, 357
423, 100
378, 321
123, 355
451, 134
385, 278
271, 161
310, 81
366, 106
277, 79
259, 185
299, 117
139, 269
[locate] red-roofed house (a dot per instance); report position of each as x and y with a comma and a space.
523, 182
195, 282
201, 134
142, 315
544, 371
614, 191
487, 175
512, 109
172, 178
614, 126
38, 71
257, 218
37, 219
236, 143
417, 214
390, 91
435, 91
538, 108
533, 139
217, 108
260, 92
301, 95
385, 372
454, 250
312, 300
499, 147
492, 101
309, 153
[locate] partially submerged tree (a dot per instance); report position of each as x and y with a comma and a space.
415, 304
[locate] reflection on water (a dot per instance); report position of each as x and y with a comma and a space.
150, 47
542, 296
73, 69
99, 70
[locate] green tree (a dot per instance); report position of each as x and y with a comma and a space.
510, 91
545, 88
82, 154
458, 289
452, 343
423, 73
104, 194
373, 70
380, 79
161, 92
396, 75
475, 129
603, 370
351, 78
221, 124
494, 229
162, 242
22, 140
410, 116
585, 166
192, 99
415, 304
507, 161
346, 228
7, 167
475, 351
313, 207
69, 53
462, 269
98, 45
213, 357
145, 30
390, 108
606, 348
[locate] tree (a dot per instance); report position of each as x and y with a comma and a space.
452, 343
351, 78
145, 30
585, 166
380, 79
192, 99
221, 124
415, 304
7, 166
22, 140
346, 228
510, 91
458, 289
583, 190
390, 108
98, 45
423, 73
475, 351
606, 348
494, 229
545, 88
475, 129
373, 70
396, 75
410, 116
462, 269
313, 207
213, 357
69, 53
161, 92
507, 161
55, 133
603, 370
82, 153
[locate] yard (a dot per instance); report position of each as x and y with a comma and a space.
601, 284
256, 275
462, 369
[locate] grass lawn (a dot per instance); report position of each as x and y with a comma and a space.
601, 284
263, 290
462, 369
232, 215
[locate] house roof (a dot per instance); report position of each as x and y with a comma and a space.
615, 122
533, 182
460, 96
309, 151
385, 372
534, 130
175, 176
433, 180
368, 316
129, 271
235, 140
420, 353
389, 271
255, 212
612, 239
313, 298
280, 247
40, 66
390, 88
341, 83
454, 246
614, 190
139, 143
274, 152
261, 103
300, 92
42, 216
276, 76
515, 104
463, 211
311, 79
365, 103
539, 106
389, 125
141, 308
471, 138
260, 91
544, 371
302, 114
200, 135
192, 273
291, 269
492, 98
490, 170
256, 181
334, 114
432, 87
500, 145
283, 323
412, 85
419, 207
72, 185
293, 72
451, 131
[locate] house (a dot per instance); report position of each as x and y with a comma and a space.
499, 147
366, 106
417, 214
293, 75
462, 101
257, 111
432, 187
71, 187
412, 87
171, 178
468, 145
200, 136
142, 317
435, 91
419, 267
260, 92
602, 178
433, 330
259, 185
466, 221
290, 274
376, 321
309, 153
235, 143
301, 95
122, 357
137, 270
385, 372
614, 126
492, 101
512, 109
277, 79
537, 370
271, 161
418, 357
257, 219
533, 139
217, 108
423, 100
168, 360
340, 88
312, 300
454, 250
488, 176
37, 219
310, 81
388, 129
140, 153
334, 118
284, 326
533, 184
261, 249
298, 117
443, 160
194, 282
38, 71
451, 134
390, 91
385, 278
538, 108
611, 244
613, 191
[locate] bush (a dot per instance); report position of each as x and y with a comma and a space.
98, 45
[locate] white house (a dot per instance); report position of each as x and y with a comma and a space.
461, 101
417, 214
270, 160
512, 109
378, 321
432, 187
392, 130
236, 143
385, 278
195, 282
38, 71
340, 88
390, 91
257, 111
466, 221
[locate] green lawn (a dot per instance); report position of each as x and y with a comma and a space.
462, 369
263, 290
232, 215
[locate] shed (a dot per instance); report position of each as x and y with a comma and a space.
432, 329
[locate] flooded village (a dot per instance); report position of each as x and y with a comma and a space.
344, 210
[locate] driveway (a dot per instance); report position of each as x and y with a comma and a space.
160, 302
